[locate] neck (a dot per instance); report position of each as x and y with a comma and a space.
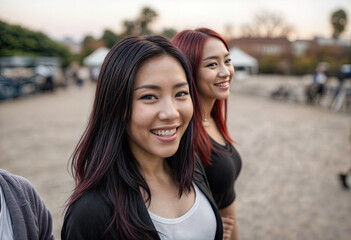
206, 106
153, 169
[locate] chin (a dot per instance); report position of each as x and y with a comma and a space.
167, 153
223, 97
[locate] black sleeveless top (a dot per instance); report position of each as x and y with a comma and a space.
221, 175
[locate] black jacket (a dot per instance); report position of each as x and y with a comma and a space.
89, 216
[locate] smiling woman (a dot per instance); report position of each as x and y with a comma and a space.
134, 165
162, 108
208, 54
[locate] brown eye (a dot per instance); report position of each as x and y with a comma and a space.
148, 97
182, 94
211, 65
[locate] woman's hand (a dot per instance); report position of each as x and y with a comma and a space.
228, 223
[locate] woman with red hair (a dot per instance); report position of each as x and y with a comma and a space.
212, 71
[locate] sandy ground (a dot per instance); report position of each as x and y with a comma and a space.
292, 153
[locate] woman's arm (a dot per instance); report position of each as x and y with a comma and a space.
230, 227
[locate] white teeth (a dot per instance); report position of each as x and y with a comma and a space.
164, 132
225, 84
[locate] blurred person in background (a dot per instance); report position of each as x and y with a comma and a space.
23, 214
134, 166
212, 71
47, 73
316, 90
343, 75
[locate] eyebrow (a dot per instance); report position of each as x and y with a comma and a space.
150, 86
215, 57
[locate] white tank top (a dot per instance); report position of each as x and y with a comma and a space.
198, 223
6, 231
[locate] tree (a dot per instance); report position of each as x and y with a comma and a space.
87, 39
338, 21
142, 23
267, 24
110, 38
169, 32
129, 28
146, 17
89, 45
16, 40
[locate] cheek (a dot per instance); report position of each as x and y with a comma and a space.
187, 110
205, 76
140, 118
204, 79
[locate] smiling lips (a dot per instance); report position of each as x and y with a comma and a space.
164, 133
222, 84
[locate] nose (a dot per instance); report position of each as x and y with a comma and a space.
168, 110
224, 71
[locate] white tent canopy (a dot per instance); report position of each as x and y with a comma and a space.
243, 61
96, 58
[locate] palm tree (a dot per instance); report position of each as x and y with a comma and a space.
338, 20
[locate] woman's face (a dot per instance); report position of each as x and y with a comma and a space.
161, 108
215, 72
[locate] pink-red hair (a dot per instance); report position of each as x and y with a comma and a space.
191, 43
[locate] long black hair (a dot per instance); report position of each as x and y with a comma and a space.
102, 158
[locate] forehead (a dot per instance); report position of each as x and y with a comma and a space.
214, 47
160, 70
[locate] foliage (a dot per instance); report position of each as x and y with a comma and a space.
110, 38
334, 55
268, 64
338, 21
169, 32
267, 24
146, 17
16, 40
129, 28
141, 25
87, 39
303, 65
89, 45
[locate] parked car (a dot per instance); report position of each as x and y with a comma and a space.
8, 88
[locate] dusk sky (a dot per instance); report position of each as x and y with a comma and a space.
78, 18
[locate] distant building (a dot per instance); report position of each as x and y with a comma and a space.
243, 63
300, 47
94, 61
333, 42
266, 49
72, 45
260, 47
277, 55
